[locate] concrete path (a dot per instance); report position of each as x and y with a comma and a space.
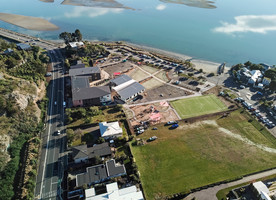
210, 193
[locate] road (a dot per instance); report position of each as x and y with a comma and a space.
53, 160
210, 193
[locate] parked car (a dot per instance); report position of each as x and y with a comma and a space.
154, 128
58, 132
175, 125
152, 138
172, 122
242, 86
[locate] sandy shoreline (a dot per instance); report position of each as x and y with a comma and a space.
206, 66
32, 23
96, 3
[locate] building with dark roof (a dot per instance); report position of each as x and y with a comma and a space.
126, 87
94, 73
83, 153
23, 46
91, 96
79, 82
77, 66
131, 91
100, 173
120, 80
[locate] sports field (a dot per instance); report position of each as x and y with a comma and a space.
202, 153
196, 106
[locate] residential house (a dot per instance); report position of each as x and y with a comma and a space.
260, 190
78, 66
76, 45
83, 153
23, 46
110, 130
114, 193
8, 51
100, 173
91, 96
93, 73
126, 87
256, 77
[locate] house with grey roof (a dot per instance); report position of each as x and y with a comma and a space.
100, 173
93, 73
126, 88
120, 80
78, 66
89, 96
23, 46
83, 153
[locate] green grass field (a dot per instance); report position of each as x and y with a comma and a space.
196, 106
199, 154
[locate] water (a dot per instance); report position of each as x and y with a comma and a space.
203, 33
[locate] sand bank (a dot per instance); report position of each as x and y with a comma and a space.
193, 3
206, 66
47, 1
96, 3
32, 23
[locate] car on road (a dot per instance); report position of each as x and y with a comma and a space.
55, 103
152, 138
171, 122
58, 132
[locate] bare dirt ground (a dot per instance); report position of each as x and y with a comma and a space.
162, 92
119, 67
144, 113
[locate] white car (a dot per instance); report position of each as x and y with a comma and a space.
55, 103
242, 86
58, 132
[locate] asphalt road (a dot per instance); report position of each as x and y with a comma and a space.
53, 160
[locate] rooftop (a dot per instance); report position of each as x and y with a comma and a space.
84, 71
77, 66
79, 82
130, 90
121, 79
114, 193
23, 46
90, 152
99, 173
89, 93
110, 129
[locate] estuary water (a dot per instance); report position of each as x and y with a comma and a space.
231, 31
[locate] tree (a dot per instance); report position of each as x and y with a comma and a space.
78, 35
271, 73
100, 140
272, 85
67, 37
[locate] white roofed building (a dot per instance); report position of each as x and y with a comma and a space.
110, 130
114, 193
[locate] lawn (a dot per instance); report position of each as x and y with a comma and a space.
199, 154
196, 106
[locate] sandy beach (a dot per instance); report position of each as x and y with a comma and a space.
206, 66
32, 23
96, 3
